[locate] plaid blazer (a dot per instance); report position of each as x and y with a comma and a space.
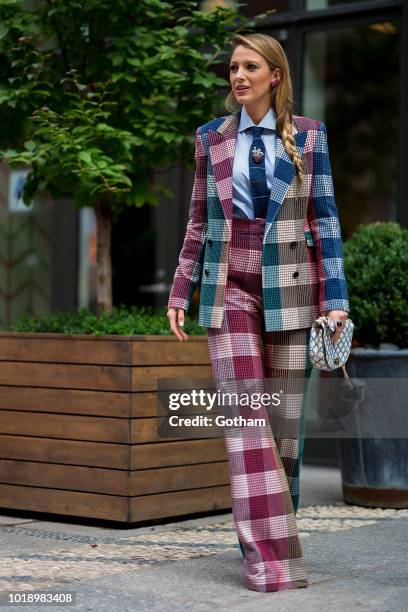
302, 253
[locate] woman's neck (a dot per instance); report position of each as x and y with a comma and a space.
257, 113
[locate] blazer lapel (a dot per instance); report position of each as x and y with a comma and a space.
221, 150
284, 172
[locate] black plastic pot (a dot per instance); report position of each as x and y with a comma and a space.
374, 469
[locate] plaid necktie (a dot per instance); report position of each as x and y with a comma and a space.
257, 174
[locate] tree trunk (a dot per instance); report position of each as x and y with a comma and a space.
103, 257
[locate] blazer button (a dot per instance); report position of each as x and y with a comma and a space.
293, 245
210, 242
295, 274
206, 272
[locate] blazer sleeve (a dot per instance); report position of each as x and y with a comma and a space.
325, 226
189, 270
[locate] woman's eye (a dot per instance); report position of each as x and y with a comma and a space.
249, 66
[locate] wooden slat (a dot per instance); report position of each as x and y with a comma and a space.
143, 404
99, 454
70, 503
108, 507
73, 401
79, 401
193, 352
115, 456
71, 427
166, 505
65, 349
66, 375
177, 453
66, 477
98, 377
113, 482
146, 482
146, 378
98, 429
109, 349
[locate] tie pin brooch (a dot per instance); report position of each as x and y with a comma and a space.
257, 155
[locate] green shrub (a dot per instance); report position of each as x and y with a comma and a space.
376, 265
122, 320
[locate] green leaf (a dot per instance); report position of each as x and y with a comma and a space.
30, 145
4, 30
168, 136
133, 61
85, 157
203, 79
117, 60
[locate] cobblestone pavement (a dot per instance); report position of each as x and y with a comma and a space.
39, 558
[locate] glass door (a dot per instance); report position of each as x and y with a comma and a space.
351, 81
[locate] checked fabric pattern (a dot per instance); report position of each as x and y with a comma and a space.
301, 278
257, 174
264, 468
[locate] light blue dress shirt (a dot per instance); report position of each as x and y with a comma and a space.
241, 188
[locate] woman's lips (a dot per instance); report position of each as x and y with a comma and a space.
241, 89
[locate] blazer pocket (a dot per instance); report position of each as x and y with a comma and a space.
309, 238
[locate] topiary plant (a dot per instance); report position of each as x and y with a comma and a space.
376, 264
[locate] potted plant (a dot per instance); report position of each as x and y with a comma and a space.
373, 461
79, 421
94, 100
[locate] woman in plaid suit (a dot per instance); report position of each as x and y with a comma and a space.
263, 242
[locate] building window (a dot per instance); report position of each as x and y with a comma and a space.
351, 82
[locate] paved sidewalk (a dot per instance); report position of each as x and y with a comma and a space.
356, 559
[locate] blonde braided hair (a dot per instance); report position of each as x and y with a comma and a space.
281, 95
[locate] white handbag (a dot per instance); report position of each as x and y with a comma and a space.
325, 355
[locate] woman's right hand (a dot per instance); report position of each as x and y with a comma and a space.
176, 320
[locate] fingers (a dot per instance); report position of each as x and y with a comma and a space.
337, 334
180, 323
176, 320
336, 315
180, 319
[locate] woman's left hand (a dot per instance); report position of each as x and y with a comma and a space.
336, 315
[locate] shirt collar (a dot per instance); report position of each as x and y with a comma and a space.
268, 121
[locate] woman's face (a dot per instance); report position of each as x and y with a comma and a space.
250, 77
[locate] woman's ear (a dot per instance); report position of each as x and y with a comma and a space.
276, 77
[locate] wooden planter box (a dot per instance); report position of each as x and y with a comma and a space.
78, 429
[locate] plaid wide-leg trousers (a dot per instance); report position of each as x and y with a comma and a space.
264, 468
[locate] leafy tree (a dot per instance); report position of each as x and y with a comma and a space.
97, 94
